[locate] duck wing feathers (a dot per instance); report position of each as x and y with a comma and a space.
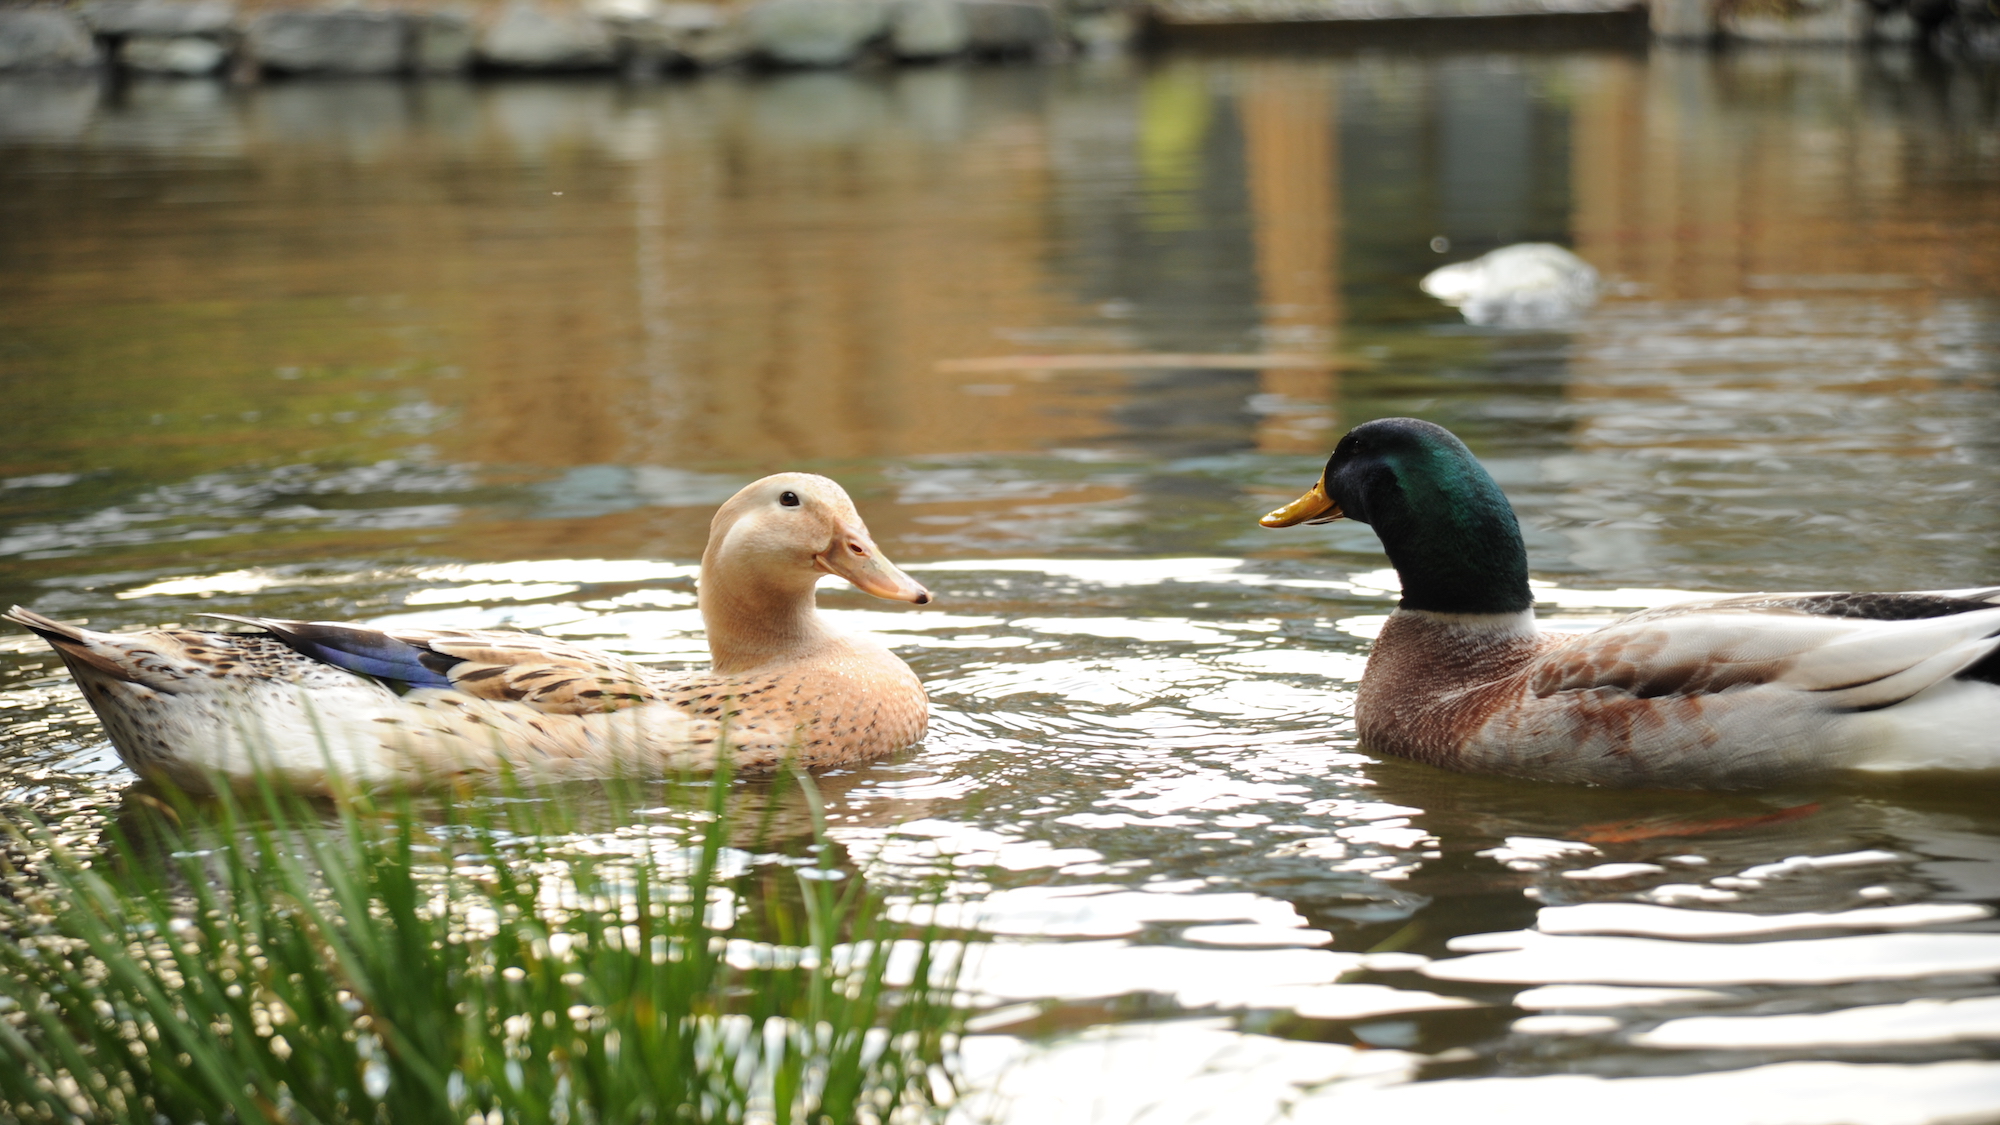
502, 667
1745, 691
1810, 643
1904, 606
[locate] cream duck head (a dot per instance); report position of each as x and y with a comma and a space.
768, 545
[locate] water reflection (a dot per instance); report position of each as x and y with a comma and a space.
450, 353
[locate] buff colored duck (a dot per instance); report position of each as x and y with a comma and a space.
325, 708
1738, 691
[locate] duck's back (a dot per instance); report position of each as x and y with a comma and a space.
1740, 691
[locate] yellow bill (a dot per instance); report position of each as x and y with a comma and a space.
1314, 507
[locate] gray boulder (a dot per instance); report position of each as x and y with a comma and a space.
707, 35
814, 32
44, 39
187, 37
441, 42
338, 41
172, 54
1010, 27
685, 17
929, 29
639, 36
527, 37
1104, 32
160, 18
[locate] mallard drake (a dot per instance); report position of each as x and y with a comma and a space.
1737, 691
318, 707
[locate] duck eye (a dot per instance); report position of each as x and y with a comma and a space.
789, 499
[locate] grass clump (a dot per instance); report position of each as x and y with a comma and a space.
472, 963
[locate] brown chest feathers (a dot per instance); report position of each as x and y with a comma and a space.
1433, 682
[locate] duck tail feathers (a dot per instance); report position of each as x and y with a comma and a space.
1979, 594
47, 628
77, 645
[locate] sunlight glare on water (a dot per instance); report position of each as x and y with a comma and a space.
340, 351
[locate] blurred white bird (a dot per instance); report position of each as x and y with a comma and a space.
1526, 285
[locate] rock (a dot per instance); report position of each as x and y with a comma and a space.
691, 17
706, 35
44, 39
172, 54
622, 10
527, 37
1801, 21
1009, 27
814, 32
929, 29
336, 41
1686, 21
188, 37
653, 36
638, 35
1105, 32
1526, 285
441, 42
160, 18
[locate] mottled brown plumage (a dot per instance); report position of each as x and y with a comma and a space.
323, 707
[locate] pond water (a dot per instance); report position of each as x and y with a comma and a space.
489, 354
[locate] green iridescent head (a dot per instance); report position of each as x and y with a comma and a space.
1446, 526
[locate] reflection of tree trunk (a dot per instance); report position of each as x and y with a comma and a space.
1607, 165
1707, 179
1291, 152
812, 293
1687, 182
654, 280
770, 273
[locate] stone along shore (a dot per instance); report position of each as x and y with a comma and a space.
637, 37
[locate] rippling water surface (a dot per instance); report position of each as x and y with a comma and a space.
489, 354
